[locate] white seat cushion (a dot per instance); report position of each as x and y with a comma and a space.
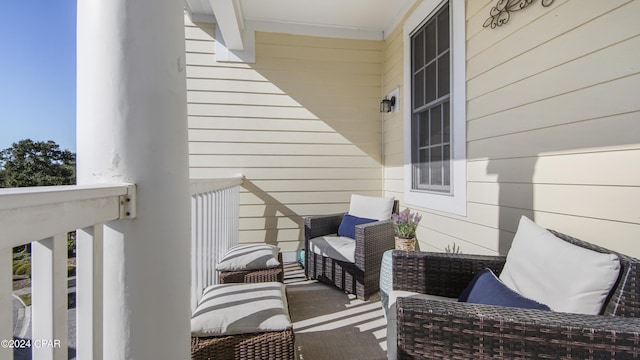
371, 207
551, 271
392, 317
336, 247
249, 257
229, 309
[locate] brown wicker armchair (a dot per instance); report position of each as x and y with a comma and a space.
439, 329
361, 277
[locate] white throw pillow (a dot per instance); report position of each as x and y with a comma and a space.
249, 257
371, 207
563, 276
229, 309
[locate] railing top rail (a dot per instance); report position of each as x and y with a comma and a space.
35, 213
199, 186
14, 198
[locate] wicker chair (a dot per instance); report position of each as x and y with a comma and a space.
439, 329
362, 277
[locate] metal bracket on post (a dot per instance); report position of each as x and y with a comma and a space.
128, 203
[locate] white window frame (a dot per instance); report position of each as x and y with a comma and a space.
454, 202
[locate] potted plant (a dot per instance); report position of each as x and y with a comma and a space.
405, 224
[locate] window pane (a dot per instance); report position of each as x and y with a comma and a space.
423, 167
443, 75
436, 165
423, 128
436, 127
430, 83
446, 163
418, 51
430, 41
418, 89
446, 127
443, 29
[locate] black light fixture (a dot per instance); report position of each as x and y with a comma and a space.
386, 105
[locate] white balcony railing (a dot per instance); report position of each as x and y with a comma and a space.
215, 207
42, 216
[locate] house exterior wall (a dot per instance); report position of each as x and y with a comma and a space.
551, 120
301, 123
553, 127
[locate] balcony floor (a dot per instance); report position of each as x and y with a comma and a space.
330, 324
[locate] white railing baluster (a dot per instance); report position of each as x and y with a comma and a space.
202, 242
49, 298
236, 215
215, 217
194, 253
89, 292
6, 303
208, 215
225, 229
219, 218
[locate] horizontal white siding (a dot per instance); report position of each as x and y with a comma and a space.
553, 126
302, 124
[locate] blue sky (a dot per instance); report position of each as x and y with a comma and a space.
38, 72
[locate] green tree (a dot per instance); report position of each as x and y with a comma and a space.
36, 163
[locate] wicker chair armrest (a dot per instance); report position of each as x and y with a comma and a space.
372, 240
442, 274
321, 225
440, 329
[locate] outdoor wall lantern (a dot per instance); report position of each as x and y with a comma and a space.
386, 105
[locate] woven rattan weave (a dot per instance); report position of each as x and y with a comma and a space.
268, 345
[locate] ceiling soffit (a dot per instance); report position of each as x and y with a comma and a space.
356, 19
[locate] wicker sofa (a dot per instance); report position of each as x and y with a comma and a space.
440, 329
360, 277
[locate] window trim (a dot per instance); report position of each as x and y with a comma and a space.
454, 202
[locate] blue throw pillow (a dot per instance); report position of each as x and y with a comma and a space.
348, 225
487, 289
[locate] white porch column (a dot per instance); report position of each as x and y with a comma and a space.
131, 127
